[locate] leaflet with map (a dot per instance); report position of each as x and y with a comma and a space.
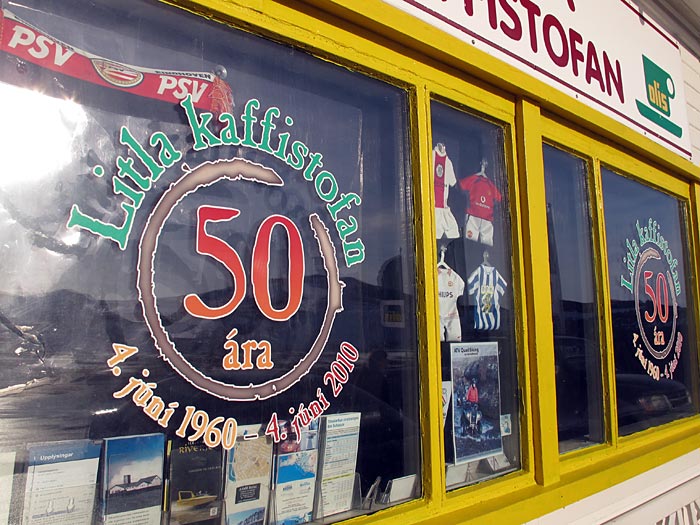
133, 480
248, 471
340, 434
61, 483
195, 485
7, 467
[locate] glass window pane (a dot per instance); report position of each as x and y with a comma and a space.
204, 230
652, 304
574, 303
474, 272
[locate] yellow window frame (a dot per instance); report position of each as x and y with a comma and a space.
638, 448
386, 43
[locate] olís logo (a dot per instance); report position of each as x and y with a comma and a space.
660, 91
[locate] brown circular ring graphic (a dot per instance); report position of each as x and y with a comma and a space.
204, 175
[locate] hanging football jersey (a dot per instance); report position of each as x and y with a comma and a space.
450, 288
487, 285
443, 178
482, 195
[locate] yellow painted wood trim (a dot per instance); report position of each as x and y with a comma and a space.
621, 162
532, 501
582, 147
428, 318
492, 108
605, 308
537, 272
522, 313
613, 158
578, 459
377, 40
471, 98
694, 256
640, 447
322, 36
425, 38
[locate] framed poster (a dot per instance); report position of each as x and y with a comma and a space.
476, 416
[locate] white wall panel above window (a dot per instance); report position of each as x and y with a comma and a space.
575, 47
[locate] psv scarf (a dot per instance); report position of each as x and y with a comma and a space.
22, 40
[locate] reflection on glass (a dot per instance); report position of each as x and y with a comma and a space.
248, 287
574, 304
654, 335
474, 274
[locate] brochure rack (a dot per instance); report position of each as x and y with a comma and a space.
396, 491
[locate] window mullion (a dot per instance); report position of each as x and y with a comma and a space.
431, 389
540, 332
608, 356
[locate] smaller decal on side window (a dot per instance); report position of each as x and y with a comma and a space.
652, 277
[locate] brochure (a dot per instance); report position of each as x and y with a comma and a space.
195, 485
446, 396
400, 489
456, 474
340, 435
248, 471
295, 484
61, 483
476, 401
133, 480
7, 467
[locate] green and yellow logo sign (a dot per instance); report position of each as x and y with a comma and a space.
660, 91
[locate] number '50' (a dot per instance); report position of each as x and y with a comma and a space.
658, 300
220, 250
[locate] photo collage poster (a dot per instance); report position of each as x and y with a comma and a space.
476, 415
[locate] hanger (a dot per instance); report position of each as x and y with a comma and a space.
484, 164
440, 147
486, 259
441, 262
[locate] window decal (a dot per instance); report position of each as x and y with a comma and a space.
653, 278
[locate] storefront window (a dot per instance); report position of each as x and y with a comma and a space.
574, 303
208, 263
475, 297
654, 335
